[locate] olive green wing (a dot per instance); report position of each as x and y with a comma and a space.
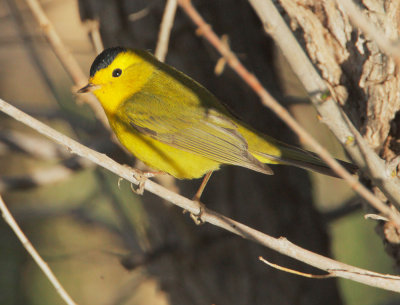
201, 131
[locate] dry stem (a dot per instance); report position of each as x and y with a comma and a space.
35, 255
165, 30
65, 56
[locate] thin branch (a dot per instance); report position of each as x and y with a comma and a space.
288, 270
62, 52
35, 255
65, 56
36, 146
161, 53
269, 101
93, 28
165, 29
27, 40
44, 176
328, 108
387, 46
281, 245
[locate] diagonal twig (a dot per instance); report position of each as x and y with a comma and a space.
35, 255
165, 30
66, 58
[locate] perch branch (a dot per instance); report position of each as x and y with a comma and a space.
282, 113
281, 245
35, 255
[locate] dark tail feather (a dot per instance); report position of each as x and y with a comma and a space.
298, 157
322, 168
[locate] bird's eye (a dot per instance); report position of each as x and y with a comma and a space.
116, 72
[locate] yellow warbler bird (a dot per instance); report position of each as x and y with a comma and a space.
175, 125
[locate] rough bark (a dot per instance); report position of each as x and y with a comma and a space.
359, 74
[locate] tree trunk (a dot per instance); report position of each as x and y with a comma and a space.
360, 76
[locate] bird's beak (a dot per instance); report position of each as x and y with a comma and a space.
89, 87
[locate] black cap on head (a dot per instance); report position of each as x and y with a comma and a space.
105, 58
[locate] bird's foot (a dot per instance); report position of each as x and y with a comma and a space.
196, 217
141, 177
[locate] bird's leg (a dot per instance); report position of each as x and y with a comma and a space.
202, 187
197, 217
141, 177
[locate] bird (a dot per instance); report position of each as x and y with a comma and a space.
176, 126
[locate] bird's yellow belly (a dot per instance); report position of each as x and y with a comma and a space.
162, 157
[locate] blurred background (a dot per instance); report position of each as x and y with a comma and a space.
108, 245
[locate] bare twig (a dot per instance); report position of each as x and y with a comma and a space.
388, 47
375, 217
270, 102
34, 145
281, 245
288, 270
93, 28
44, 176
35, 255
161, 53
165, 29
62, 52
28, 42
139, 14
65, 56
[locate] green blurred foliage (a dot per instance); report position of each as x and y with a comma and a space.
354, 242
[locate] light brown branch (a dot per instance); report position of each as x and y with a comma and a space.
288, 270
34, 145
270, 102
35, 255
44, 176
93, 28
165, 29
66, 58
281, 245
